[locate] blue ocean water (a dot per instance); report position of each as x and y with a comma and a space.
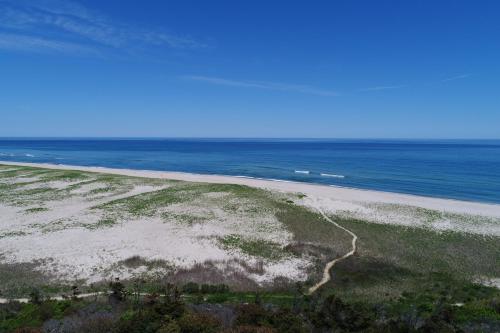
458, 169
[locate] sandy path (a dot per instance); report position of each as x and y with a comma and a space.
55, 298
329, 265
325, 279
62, 298
329, 195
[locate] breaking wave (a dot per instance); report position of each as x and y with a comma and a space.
332, 175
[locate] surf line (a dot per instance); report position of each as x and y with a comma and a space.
329, 265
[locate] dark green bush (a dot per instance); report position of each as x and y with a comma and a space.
191, 288
199, 323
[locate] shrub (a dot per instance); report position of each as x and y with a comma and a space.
171, 327
28, 330
287, 321
214, 288
335, 313
35, 296
191, 288
205, 289
251, 329
199, 323
117, 290
252, 314
218, 298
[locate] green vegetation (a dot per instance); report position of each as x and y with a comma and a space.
102, 223
254, 247
64, 175
137, 261
19, 280
31, 186
12, 234
102, 190
214, 308
430, 216
391, 259
310, 227
186, 219
145, 204
36, 210
401, 279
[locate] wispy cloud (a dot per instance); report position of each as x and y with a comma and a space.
40, 45
377, 88
457, 77
304, 89
67, 22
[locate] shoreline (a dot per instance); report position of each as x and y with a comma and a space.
328, 192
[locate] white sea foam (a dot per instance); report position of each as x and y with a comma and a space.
29, 155
249, 177
332, 175
302, 171
279, 180
268, 179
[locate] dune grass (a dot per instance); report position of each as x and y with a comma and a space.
254, 247
390, 258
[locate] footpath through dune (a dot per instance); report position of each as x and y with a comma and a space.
329, 265
326, 271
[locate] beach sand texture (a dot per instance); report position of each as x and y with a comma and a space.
97, 230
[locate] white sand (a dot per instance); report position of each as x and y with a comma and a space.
59, 235
332, 198
62, 239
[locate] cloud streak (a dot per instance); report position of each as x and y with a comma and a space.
304, 89
457, 77
67, 22
40, 45
378, 88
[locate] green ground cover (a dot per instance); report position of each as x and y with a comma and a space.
402, 270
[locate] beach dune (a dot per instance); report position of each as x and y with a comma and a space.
330, 197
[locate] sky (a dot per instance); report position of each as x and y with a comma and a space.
301, 69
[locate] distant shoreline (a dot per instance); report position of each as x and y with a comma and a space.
331, 193
457, 170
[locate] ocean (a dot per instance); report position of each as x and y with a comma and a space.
455, 169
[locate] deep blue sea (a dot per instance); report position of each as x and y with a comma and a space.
458, 169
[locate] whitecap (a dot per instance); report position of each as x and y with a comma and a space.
332, 175
302, 171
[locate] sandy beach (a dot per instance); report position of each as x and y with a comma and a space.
90, 226
330, 198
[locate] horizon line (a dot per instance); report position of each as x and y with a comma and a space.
245, 138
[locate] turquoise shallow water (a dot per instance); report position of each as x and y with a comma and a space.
458, 169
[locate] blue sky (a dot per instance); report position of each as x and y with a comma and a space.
323, 69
